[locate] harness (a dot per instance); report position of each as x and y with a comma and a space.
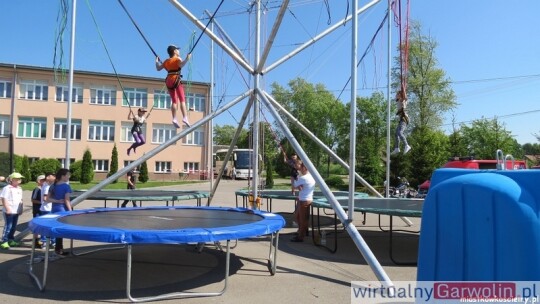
177, 81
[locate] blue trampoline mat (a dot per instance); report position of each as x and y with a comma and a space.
158, 225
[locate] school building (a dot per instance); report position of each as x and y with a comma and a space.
34, 109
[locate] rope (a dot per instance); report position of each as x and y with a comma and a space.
108, 55
138, 29
370, 45
210, 20
403, 42
61, 19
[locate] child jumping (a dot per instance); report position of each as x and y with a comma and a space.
402, 124
174, 65
136, 130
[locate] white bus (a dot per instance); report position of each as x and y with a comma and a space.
239, 166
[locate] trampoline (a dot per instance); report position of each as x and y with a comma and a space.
269, 195
158, 225
147, 195
408, 207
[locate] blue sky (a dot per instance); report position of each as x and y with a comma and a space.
489, 49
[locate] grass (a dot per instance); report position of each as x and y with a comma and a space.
119, 185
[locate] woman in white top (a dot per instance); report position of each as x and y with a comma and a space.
306, 185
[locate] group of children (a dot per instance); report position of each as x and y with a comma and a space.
51, 195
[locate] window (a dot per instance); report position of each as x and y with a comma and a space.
4, 125
32, 127
191, 167
101, 130
101, 165
127, 162
126, 135
163, 167
195, 138
103, 96
63, 162
162, 100
60, 129
62, 94
33, 90
5, 89
196, 102
161, 133
137, 98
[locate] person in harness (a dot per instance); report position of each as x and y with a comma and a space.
173, 65
401, 101
136, 130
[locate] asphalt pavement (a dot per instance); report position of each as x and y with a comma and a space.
305, 273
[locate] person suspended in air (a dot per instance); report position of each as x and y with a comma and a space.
401, 101
173, 65
136, 130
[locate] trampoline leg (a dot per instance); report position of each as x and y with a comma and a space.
176, 294
272, 257
41, 284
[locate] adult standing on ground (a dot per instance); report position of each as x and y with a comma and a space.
306, 185
11, 197
173, 65
131, 186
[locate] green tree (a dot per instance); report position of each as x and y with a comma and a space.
76, 169
485, 136
223, 135
269, 174
114, 162
25, 170
143, 173
317, 109
370, 137
87, 168
430, 96
45, 165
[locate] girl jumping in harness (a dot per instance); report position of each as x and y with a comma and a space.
174, 65
136, 130
402, 124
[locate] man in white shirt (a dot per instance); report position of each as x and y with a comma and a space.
306, 185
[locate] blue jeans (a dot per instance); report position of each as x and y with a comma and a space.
400, 134
59, 244
10, 227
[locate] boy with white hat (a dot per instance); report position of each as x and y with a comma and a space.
11, 196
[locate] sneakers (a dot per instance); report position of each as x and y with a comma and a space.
396, 151
407, 149
128, 151
185, 120
175, 123
4, 245
12, 243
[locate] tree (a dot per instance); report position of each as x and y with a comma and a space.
430, 96
25, 170
76, 169
223, 135
143, 173
45, 165
370, 137
269, 174
316, 108
484, 137
114, 162
87, 168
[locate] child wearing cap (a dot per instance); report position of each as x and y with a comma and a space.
173, 65
11, 196
36, 203
136, 130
